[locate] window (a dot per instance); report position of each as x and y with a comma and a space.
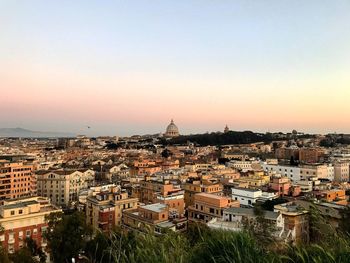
20, 211
211, 210
35, 231
12, 212
28, 233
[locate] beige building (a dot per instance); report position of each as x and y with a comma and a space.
314, 170
23, 218
154, 217
296, 222
192, 187
208, 206
104, 210
63, 186
341, 172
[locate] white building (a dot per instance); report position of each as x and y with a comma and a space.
236, 219
305, 186
341, 172
63, 187
292, 172
246, 196
330, 172
242, 165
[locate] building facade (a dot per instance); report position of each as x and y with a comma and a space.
104, 210
208, 206
16, 180
154, 218
63, 186
24, 218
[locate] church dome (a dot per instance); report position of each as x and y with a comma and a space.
172, 130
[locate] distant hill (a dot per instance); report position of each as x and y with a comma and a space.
232, 137
221, 138
24, 133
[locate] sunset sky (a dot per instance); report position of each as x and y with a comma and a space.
128, 67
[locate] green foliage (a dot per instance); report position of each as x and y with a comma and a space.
344, 223
198, 244
95, 248
35, 250
224, 246
201, 244
67, 235
4, 258
270, 204
24, 255
220, 138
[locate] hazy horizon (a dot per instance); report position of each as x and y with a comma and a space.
91, 133
128, 67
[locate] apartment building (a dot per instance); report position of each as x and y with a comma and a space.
311, 155
145, 167
305, 185
256, 179
333, 195
282, 185
341, 172
192, 187
287, 153
238, 218
104, 209
320, 171
292, 172
16, 180
63, 186
208, 206
24, 218
296, 222
330, 172
241, 165
174, 200
152, 218
246, 196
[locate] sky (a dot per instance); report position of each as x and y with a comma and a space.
129, 67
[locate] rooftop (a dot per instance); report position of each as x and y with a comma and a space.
214, 196
250, 212
20, 204
158, 207
246, 189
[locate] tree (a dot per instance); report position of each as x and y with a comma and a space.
166, 153
344, 226
270, 204
67, 236
96, 248
35, 250
4, 256
23, 255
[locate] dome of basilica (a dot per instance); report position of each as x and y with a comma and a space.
172, 130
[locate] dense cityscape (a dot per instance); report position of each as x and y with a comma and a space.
64, 199
187, 131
